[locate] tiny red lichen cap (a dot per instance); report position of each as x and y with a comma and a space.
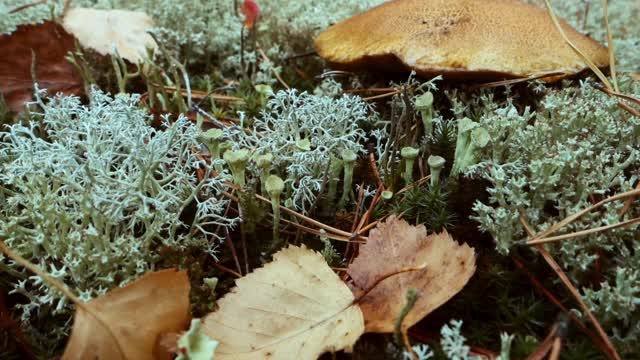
251, 11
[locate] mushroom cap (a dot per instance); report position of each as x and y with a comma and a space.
459, 38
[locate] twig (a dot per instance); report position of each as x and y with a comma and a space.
396, 92
376, 173
538, 285
227, 270
611, 353
590, 63
23, 7
297, 56
515, 81
584, 232
275, 73
610, 46
572, 218
628, 202
319, 233
63, 289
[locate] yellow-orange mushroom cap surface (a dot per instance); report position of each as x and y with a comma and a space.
459, 38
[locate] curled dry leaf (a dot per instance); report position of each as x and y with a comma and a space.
295, 307
137, 316
49, 42
102, 30
395, 245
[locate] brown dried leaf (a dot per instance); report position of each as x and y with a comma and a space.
395, 245
295, 307
50, 43
137, 316
101, 30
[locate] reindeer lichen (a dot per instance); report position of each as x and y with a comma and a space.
92, 194
545, 165
305, 133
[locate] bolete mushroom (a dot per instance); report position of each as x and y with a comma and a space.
479, 39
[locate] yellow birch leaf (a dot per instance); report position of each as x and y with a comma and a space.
295, 307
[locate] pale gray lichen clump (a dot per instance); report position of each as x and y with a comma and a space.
92, 194
9, 21
304, 133
548, 163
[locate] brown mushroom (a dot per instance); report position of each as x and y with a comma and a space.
459, 38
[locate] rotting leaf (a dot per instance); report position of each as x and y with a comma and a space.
295, 307
137, 315
49, 42
395, 245
102, 30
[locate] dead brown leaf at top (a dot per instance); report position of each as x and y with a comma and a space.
50, 44
102, 30
295, 307
395, 245
136, 316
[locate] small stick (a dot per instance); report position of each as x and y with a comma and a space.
581, 325
611, 353
275, 73
586, 59
23, 7
226, 269
570, 219
610, 46
63, 289
583, 232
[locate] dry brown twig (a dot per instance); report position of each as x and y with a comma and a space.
611, 350
592, 66
569, 219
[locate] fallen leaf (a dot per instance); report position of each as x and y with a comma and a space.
50, 44
136, 315
395, 245
102, 30
295, 307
